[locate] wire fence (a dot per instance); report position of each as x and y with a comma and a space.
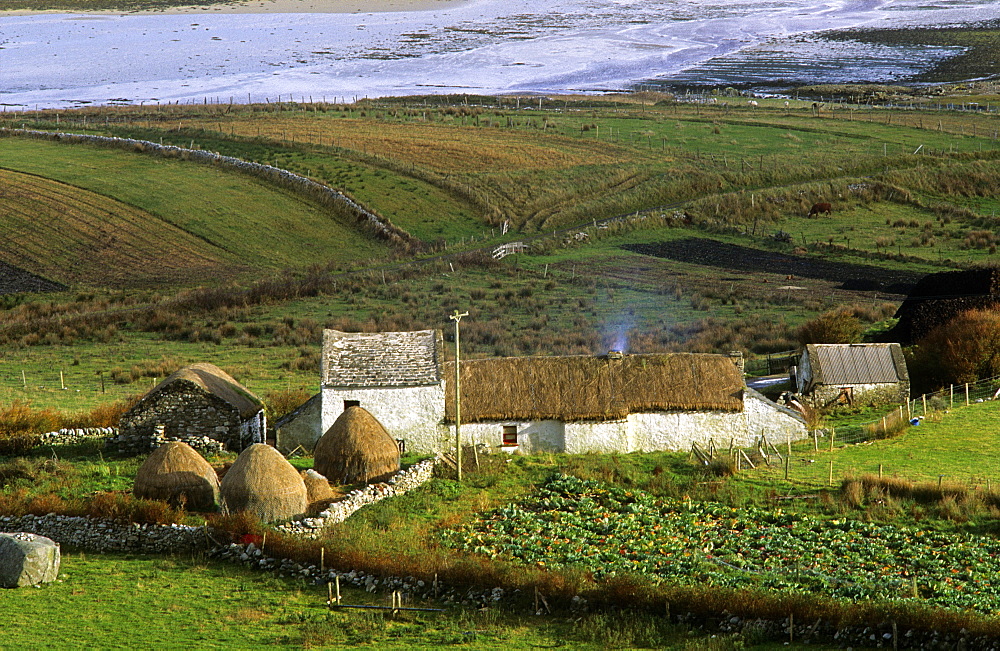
956, 396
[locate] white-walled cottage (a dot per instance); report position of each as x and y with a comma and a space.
395, 376
614, 403
607, 403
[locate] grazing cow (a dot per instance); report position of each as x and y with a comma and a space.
818, 208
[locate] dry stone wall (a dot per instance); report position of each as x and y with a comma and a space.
69, 436
106, 536
400, 483
379, 225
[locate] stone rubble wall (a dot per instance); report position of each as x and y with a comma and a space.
186, 411
130, 444
400, 483
107, 536
381, 226
69, 436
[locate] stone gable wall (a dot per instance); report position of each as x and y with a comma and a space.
185, 410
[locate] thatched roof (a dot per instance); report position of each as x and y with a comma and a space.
381, 359
356, 448
213, 379
581, 388
177, 474
856, 363
263, 482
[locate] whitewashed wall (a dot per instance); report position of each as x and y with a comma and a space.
532, 437
777, 422
645, 432
408, 413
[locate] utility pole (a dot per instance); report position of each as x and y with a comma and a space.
457, 318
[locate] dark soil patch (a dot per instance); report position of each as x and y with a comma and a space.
855, 277
14, 280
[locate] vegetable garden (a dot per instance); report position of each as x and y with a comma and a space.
610, 530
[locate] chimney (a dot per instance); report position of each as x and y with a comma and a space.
737, 357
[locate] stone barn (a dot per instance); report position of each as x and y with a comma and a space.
614, 403
830, 375
200, 400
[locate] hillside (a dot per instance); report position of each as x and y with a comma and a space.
621, 178
126, 219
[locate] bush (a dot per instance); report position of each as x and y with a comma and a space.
282, 403
965, 349
834, 327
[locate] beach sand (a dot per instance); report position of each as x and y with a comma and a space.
274, 7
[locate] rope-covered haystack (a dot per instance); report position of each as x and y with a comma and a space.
938, 298
263, 482
580, 388
356, 449
318, 491
177, 474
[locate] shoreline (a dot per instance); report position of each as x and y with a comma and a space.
262, 7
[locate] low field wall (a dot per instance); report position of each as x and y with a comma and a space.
301, 185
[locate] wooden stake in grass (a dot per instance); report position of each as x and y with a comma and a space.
830, 480
833, 435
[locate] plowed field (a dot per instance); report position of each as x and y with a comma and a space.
857, 277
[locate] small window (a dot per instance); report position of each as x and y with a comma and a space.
351, 403
510, 434
401, 444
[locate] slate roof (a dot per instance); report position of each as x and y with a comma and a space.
381, 359
856, 363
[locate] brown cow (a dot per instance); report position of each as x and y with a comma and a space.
820, 208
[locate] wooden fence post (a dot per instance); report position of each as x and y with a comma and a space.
924, 398
830, 480
951, 396
966, 394
833, 435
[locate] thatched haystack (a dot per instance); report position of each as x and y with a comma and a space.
318, 491
356, 449
582, 388
177, 474
263, 482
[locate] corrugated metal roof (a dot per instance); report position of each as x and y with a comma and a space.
856, 363
381, 359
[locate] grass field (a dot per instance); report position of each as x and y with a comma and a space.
240, 223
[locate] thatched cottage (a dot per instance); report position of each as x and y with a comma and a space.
852, 374
613, 403
199, 400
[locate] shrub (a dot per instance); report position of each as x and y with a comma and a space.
965, 349
835, 327
281, 403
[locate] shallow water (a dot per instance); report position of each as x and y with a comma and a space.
486, 46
